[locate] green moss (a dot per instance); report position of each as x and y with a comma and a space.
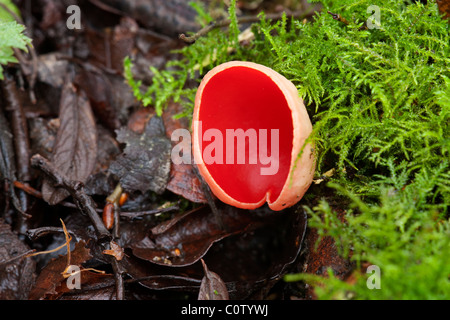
379, 100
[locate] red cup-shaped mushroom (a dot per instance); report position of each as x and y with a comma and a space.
249, 127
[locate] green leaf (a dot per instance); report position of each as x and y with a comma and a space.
5, 16
11, 36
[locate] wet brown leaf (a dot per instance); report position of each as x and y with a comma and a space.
52, 11
75, 150
93, 285
183, 180
108, 47
212, 286
42, 135
252, 262
322, 254
7, 166
158, 277
139, 118
51, 276
249, 262
185, 183
51, 70
99, 90
109, 95
186, 238
16, 277
145, 163
116, 251
444, 7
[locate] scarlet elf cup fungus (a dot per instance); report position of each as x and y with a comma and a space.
249, 127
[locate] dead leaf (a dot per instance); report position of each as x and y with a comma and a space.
51, 276
250, 263
145, 163
444, 7
52, 11
7, 165
75, 150
42, 136
51, 70
183, 180
186, 238
109, 46
158, 277
94, 286
116, 251
139, 118
17, 277
327, 175
7, 162
323, 253
99, 90
212, 286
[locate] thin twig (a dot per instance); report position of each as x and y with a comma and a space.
18, 257
138, 214
7, 164
19, 128
123, 214
21, 143
28, 189
338, 17
116, 228
34, 234
241, 20
65, 244
118, 276
83, 201
106, 7
153, 277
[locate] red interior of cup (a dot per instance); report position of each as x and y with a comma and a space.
244, 98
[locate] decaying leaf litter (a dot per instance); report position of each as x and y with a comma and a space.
82, 137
